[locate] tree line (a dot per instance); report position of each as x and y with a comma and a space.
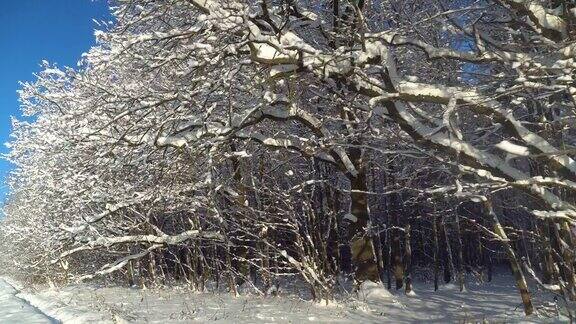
245, 141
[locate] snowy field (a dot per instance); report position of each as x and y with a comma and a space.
495, 302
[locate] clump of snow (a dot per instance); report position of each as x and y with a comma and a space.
351, 218
328, 303
450, 286
411, 293
370, 290
172, 141
512, 148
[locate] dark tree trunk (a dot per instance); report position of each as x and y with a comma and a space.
408, 259
436, 252
449, 264
388, 258
460, 253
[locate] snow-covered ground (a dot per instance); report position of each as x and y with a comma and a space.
16, 310
495, 301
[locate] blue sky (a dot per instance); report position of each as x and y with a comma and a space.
58, 31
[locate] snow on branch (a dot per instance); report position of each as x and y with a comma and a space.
274, 142
119, 264
395, 39
165, 239
551, 25
419, 92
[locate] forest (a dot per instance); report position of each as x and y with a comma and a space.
244, 142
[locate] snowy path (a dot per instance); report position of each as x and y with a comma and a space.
16, 310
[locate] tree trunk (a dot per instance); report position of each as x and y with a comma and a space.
408, 260
130, 273
460, 253
152, 266
436, 251
449, 264
362, 249
388, 244
514, 263
398, 264
239, 248
566, 260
